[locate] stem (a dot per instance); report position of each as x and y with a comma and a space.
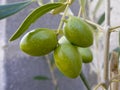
51, 71
94, 24
114, 69
112, 29
83, 78
106, 57
80, 12
107, 12
99, 85
107, 40
63, 17
115, 77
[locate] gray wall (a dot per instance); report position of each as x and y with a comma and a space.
19, 68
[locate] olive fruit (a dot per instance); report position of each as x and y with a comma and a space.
86, 54
68, 60
38, 42
78, 32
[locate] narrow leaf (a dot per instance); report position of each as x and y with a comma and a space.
83, 78
101, 19
41, 78
12, 8
32, 17
117, 49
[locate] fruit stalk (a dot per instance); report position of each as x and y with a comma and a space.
107, 40
63, 17
54, 80
80, 12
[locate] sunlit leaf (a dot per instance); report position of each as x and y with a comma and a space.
12, 8
32, 17
41, 78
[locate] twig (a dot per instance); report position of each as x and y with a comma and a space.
112, 29
94, 24
106, 57
114, 69
116, 27
80, 12
100, 85
54, 80
114, 78
107, 40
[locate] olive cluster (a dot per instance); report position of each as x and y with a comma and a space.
70, 51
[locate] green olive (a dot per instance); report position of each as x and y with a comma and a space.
68, 60
78, 32
39, 42
86, 54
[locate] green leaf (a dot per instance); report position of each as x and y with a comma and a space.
101, 19
32, 17
117, 49
10, 9
41, 78
83, 78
